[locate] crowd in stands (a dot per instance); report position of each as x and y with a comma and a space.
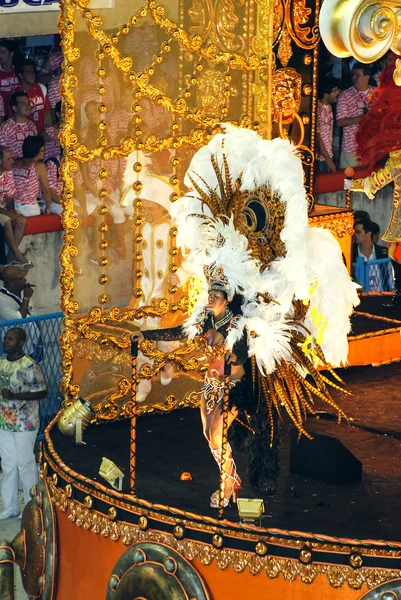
30, 151
344, 96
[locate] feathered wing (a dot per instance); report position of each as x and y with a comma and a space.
333, 298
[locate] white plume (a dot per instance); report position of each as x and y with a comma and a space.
312, 259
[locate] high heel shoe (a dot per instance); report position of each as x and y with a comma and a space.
232, 475
215, 497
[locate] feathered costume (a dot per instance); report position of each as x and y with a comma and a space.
245, 224
379, 137
295, 286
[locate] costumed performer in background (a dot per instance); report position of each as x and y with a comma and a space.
379, 136
262, 300
157, 277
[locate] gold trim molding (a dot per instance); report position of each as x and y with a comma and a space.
339, 224
239, 561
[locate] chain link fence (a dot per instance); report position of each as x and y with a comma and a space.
43, 344
374, 275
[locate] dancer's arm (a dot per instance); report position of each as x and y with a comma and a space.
379, 179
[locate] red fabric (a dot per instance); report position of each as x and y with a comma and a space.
13, 134
27, 186
7, 187
54, 91
8, 83
327, 183
325, 123
352, 103
380, 130
397, 253
43, 224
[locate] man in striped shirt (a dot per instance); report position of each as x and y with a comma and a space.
14, 131
328, 93
37, 94
353, 104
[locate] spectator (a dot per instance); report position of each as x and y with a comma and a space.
37, 94
22, 385
51, 64
14, 131
365, 248
375, 233
360, 215
16, 294
2, 251
121, 124
13, 223
2, 111
8, 79
352, 104
30, 178
52, 146
55, 185
328, 93
16, 303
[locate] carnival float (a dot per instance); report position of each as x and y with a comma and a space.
152, 95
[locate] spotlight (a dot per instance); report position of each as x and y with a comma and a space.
111, 473
75, 419
250, 510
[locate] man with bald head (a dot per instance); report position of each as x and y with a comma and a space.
22, 385
16, 303
15, 295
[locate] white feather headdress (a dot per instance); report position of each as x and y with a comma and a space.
289, 274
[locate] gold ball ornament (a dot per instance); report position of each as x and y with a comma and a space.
261, 548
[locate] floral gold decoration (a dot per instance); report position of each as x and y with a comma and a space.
284, 51
339, 224
226, 57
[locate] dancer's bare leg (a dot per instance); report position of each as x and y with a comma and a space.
216, 437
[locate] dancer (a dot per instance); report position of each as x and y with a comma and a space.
379, 136
261, 300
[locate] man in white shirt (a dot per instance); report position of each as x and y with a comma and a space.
15, 295
22, 386
365, 248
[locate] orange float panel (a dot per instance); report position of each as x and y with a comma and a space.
374, 349
86, 560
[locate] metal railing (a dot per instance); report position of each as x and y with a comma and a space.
43, 344
374, 275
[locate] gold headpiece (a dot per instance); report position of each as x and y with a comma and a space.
257, 214
217, 279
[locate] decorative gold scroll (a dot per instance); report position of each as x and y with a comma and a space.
220, 66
